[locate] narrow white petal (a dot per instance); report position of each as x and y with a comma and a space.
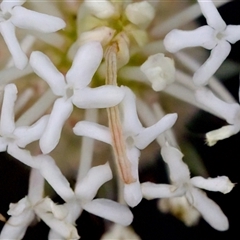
54, 177
60, 113
6, 5
221, 184
132, 193
87, 188
153, 190
45, 69
212, 15
179, 172
85, 64
22, 155
232, 33
28, 19
209, 210
7, 124
100, 97
30, 134
228, 111
130, 120
7, 30
110, 210
216, 58
144, 138
200, 37
93, 130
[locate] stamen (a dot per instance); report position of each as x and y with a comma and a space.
115, 126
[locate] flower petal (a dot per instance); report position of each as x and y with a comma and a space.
179, 172
221, 184
87, 188
144, 138
212, 15
132, 193
7, 30
232, 33
7, 124
28, 19
85, 65
110, 210
100, 97
200, 37
54, 176
228, 111
60, 113
22, 155
6, 5
216, 58
30, 134
209, 210
130, 121
152, 191
93, 130
45, 69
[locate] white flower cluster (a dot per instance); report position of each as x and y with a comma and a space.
102, 47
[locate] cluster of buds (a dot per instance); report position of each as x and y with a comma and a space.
106, 56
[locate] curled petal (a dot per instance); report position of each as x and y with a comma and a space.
87, 188
3, 144
209, 210
228, 111
212, 15
179, 172
61, 111
144, 138
28, 19
216, 58
221, 184
30, 134
232, 33
64, 229
85, 65
200, 37
93, 130
110, 210
45, 69
222, 133
54, 176
152, 190
100, 97
7, 30
7, 124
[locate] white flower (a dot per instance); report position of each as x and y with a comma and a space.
12, 15
35, 206
228, 111
85, 191
183, 185
216, 36
135, 135
13, 139
73, 89
159, 70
